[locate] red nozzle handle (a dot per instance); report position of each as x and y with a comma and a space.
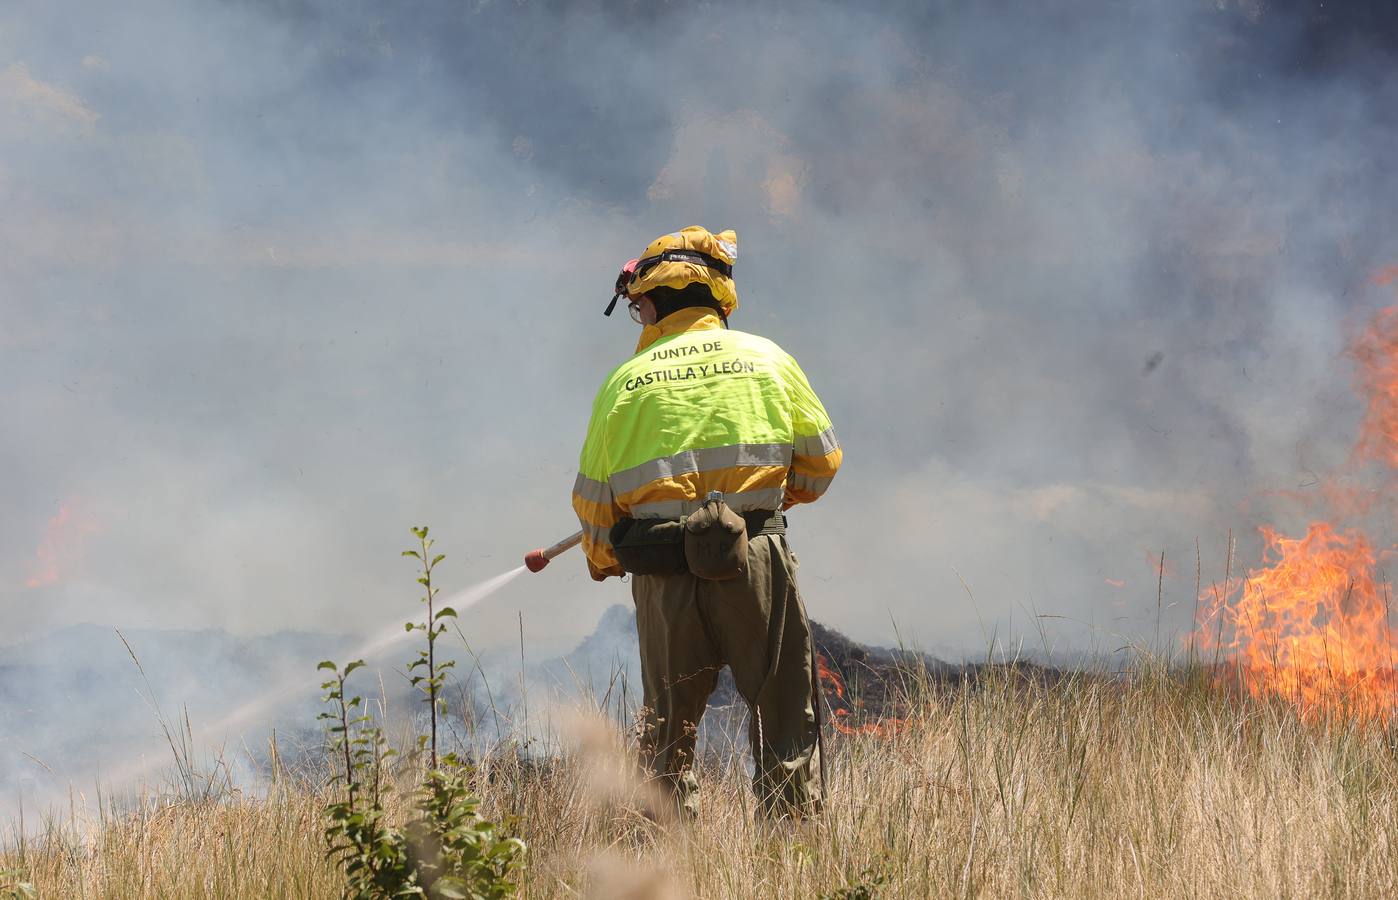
535, 560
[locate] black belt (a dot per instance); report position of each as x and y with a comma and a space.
764, 521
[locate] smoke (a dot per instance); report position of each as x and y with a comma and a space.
283, 278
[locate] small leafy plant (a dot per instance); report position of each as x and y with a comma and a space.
429, 675
448, 849
459, 852
374, 855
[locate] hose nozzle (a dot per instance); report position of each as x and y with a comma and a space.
535, 560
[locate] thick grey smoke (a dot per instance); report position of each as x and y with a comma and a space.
281, 279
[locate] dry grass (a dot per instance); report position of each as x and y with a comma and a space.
1146, 786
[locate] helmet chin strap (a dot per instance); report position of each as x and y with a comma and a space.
611, 306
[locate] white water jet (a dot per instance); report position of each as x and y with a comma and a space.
299, 682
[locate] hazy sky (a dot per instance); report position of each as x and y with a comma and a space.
280, 279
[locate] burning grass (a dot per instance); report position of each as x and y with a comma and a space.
1312, 623
1147, 784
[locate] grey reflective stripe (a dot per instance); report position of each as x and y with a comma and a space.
808, 484
707, 460
821, 444
664, 509
738, 501
597, 534
592, 491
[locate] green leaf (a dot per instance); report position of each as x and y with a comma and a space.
325, 664
438, 558
412, 553
446, 611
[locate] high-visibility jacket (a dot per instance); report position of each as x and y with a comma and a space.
699, 408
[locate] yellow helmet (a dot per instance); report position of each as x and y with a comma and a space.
681, 258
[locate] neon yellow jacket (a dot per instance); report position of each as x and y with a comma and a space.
699, 408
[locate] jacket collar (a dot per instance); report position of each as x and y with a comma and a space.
691, 318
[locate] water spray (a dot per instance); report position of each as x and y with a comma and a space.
294, 682
290, 684
535, 560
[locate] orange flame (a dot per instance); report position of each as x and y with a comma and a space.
835, 685
1312, 623
828, 677
60, 545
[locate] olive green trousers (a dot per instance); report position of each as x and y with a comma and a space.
689, 629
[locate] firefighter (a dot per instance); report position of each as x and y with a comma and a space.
701, 408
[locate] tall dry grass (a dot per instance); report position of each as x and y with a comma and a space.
1142, 785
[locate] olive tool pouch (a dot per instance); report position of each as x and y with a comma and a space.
650, 546
716, 541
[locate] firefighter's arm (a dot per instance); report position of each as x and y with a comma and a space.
816, 453
597, 513
593, 502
